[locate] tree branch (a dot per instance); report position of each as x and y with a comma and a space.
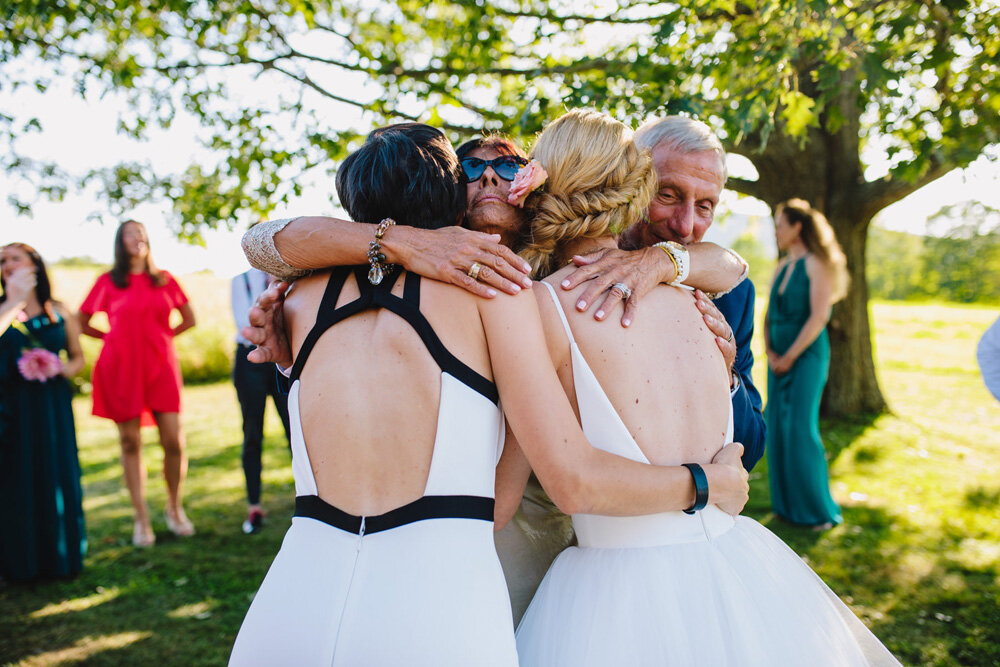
743, 186
613, 17
305, 80
589, 64
885, 191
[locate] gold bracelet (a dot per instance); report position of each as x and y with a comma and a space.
673, 260
376, 258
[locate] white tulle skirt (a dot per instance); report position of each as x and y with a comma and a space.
677, 589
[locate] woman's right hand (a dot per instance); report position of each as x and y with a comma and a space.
267, 328
448, 253
728, 480
21, 284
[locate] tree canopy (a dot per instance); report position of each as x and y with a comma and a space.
807, 90
918, 77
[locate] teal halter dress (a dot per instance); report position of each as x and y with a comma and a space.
796, 459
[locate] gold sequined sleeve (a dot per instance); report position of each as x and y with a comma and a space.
258, 246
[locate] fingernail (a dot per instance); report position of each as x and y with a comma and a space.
565, 283
491, 292
581, 305
526, 282
517, 288
599, 314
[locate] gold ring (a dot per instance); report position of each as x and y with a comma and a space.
474, 271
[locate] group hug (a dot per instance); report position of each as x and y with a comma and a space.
495, 471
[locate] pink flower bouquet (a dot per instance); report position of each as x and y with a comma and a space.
39, 365
526, 180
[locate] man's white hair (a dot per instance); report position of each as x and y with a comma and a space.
682, 134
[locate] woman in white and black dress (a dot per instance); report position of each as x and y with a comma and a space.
396, 432
673, 588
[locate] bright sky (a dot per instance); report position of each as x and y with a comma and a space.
81, 135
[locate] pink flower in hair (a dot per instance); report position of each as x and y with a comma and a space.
526, 180
39, 365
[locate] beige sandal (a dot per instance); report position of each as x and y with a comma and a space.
181, 526
142, 536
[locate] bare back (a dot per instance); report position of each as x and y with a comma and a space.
664, 375
370, 394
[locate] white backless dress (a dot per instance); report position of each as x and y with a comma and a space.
419, 585
680, 589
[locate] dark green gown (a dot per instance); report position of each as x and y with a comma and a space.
41, 503
796, 459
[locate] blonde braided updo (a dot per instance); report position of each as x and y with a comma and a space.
599, 184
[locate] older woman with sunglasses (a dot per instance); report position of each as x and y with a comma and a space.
489, 165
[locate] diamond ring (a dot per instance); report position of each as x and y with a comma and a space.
624, 289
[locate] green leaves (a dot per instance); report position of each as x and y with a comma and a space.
770, 76
797, 112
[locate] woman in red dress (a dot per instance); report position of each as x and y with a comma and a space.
137, 379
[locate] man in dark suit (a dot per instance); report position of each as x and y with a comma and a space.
691, 166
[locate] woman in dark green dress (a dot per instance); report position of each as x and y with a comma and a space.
809, 279
41, 512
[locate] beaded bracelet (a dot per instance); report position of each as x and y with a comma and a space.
375, 257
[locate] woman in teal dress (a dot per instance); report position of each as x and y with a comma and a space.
41, 503
808, 280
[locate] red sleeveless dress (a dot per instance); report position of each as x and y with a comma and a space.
137, 372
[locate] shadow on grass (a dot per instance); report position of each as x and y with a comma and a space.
839, 434
181, 601
982, 498
930, 594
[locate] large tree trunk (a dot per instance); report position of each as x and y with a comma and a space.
852, 387
826, 170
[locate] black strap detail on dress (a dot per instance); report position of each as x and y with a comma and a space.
428, 507
408, 308
324, 319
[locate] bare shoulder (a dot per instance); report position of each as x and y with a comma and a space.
816, 267
305, 288
304, 296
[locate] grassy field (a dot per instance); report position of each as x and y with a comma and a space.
918, 556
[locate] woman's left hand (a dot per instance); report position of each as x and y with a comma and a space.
21, 283
782, 364
717, 324
639, 270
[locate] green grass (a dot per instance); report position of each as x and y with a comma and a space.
181, 602
918, 556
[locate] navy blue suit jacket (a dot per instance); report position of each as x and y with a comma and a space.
748, 421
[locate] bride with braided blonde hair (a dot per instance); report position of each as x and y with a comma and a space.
599, 184
698, 586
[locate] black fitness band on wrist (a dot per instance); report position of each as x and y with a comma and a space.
700, 487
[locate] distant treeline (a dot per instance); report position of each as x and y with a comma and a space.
962, 267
